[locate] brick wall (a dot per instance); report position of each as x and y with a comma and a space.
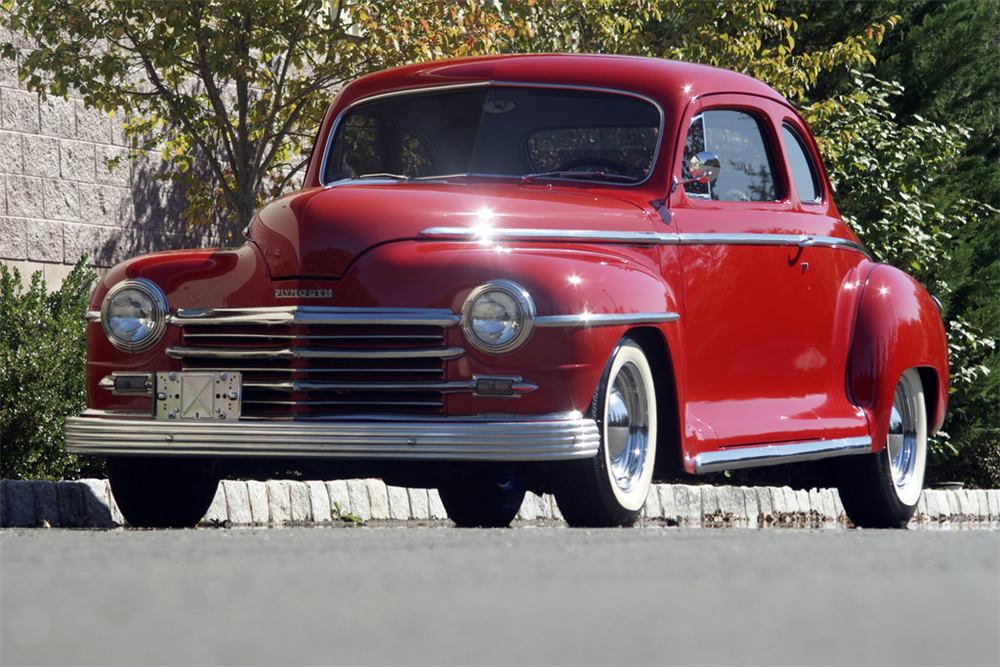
58, 199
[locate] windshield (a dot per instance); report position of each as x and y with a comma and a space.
497, 131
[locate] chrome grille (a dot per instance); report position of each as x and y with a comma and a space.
308, 363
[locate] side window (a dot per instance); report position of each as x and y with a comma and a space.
694, 144
360, 148
803, 170
737, 139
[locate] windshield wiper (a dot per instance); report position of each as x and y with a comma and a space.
582, 175
394, 177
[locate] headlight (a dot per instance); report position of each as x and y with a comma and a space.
134, 315
498, 316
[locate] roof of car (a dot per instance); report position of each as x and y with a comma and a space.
672, 84
665, 80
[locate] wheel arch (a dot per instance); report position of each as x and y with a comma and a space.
898, 327
932, 399
654, 344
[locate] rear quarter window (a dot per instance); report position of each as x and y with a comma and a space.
800, 163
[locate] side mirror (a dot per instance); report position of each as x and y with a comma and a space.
703, 167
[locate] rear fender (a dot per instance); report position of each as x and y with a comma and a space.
898, 327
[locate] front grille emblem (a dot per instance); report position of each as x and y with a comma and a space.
303, 294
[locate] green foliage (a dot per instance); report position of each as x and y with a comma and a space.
42, 374
346, 517
882, 171
749, 37
229, 92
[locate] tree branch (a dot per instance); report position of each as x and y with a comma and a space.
174, 104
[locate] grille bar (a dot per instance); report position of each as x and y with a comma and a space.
290, 387
250, 372
347, 403
269, 316
311, 337
190, 352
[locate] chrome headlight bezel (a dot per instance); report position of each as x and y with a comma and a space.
520, 327
157, 303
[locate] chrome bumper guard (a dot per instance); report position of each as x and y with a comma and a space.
544, 438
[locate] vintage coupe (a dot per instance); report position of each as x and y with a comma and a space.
565, 273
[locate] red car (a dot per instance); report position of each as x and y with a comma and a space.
566, 273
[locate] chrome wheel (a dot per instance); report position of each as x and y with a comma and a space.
626, 427
881, 490
610, 489
906, 443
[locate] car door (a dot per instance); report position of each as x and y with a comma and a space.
764, 307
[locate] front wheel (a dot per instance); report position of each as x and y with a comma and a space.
485, 497
881, 490
162, 492
610, 489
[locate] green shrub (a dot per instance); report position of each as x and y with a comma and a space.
42, 374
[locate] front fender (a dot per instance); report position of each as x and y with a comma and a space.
206, 278
898, 327
561, 279
566, 360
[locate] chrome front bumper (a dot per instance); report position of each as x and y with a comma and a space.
544, 438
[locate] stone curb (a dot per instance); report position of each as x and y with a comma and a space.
88, 503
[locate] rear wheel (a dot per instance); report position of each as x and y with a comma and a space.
610, 489
487, 497
881, 490
162, 492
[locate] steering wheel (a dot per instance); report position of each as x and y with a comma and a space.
615, 167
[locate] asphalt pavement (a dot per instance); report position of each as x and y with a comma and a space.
528, 595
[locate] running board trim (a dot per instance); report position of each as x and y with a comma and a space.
769, 455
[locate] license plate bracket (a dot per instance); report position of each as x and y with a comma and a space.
198, 396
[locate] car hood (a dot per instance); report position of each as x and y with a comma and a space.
318, 233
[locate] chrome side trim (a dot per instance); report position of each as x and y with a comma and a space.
92, 316
640, 238
543, 438
801, 240
414, 316
604, 319
189, 352
492, 235
273, 315
766, 455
